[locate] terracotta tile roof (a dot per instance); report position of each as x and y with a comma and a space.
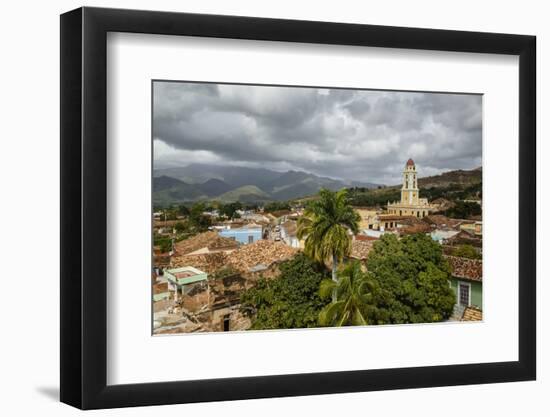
441, 220
465, 268
160, 287
465, 236
244, 259
360, 249
210, 240
392, 217
365, 237
280, 213
162, 259
415, 228
207, 262
265, 252
472, 314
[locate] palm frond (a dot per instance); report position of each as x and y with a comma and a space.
326, 287
329, 314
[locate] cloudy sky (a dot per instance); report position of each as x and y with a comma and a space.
345, 134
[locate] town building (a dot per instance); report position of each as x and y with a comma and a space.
180, 279
466, 282
245, 235
210, 301
369, 218
289, 236
411, 204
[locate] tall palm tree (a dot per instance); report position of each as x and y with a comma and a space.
325, 226
353, 298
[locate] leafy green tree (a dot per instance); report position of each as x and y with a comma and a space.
230, 210
179, 226
276, 206
197, 219
325, 226
164, 243
464, 210
411, 280
353, 305
289, 301
467, 251
183, 210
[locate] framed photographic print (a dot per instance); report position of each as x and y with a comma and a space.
245, 198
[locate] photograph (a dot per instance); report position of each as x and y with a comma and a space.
289, 207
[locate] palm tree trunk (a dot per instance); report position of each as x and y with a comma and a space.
334, 277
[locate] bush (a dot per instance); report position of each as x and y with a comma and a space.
290, 301
411, 280
466, 251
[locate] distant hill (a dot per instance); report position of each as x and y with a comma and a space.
214, 187
228, 183
232, 175
165, 183
245, 194
445, 179
167, 190
453, 185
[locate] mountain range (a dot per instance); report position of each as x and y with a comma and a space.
232, 183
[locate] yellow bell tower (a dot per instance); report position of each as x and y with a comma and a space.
409, 190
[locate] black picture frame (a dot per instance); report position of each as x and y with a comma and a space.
84, 207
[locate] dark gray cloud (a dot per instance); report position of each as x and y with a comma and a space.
348, 134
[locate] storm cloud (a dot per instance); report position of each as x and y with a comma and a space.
361, 135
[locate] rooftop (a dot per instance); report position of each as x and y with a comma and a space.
247, 258
392, 217
472, 314
264, 252
360, 249
160, 287
280, 213
210, 240
207, 262
465, 268
185, 275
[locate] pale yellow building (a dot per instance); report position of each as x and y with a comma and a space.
369, 218
411, 204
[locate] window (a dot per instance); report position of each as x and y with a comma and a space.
463, 294
250, 239
226, 323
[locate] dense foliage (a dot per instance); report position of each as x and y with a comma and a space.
163, 242
276, 206
289, 301
197, 220
230, 210
466, 251
360, 196
410, 281
464, 210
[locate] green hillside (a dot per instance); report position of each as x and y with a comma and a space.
245, 194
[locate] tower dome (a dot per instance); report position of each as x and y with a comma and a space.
410, 162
